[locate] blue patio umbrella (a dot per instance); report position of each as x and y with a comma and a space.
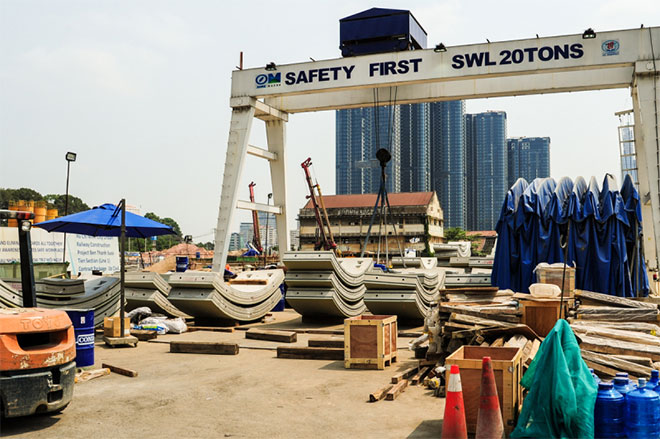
109, 220
105, 220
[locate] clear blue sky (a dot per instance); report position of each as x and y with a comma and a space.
140, 90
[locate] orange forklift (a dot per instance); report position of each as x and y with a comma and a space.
37, 346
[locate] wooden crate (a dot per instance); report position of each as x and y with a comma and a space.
507, 367
370, 342
541, 316
554, 276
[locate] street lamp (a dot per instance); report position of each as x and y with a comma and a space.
70, 157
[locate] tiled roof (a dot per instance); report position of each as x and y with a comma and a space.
368, 200
482, 233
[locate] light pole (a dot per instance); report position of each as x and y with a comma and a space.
70, 157
267, 252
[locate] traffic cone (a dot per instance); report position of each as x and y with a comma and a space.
489, 419
453, 425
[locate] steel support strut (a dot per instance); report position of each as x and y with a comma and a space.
239, 132
646, 97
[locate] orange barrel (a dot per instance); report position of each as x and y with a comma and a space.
39, 211
51, 214
13, 205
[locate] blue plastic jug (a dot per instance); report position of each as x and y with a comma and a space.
654, 381
622, 384
609, 412
642, 412
593, 374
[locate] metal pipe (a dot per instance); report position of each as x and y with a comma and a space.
66, 206
122, 263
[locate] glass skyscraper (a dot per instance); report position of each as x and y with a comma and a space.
360, 132
487, 168
448, 159
529, 158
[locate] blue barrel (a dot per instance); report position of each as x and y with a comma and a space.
609, 421
181, 264
642, 412
198, 255
83, 326
622, 384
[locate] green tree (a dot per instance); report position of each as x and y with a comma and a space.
206, 245
456, 234
24, 193
163, 242
58, 201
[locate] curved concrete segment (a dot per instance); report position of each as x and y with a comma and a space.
406, 305
209, 304
426, 263
264, 283
325, 280
349, 270
205, 295
322, 302
153, 299
146, 280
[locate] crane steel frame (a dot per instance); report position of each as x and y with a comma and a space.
613, 59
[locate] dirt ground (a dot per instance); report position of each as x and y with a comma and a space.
250, 395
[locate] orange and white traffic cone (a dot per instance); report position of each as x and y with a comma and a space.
489, 419
454, 425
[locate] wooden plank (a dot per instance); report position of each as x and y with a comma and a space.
617, 363
203, 347
517, 341
464, 318
248, 282
87, 375
497, 343
143, 334
619, 347
635, 337
325, 343
307, 353
419, 376
404, 374
601, 369
453, 326
647, 328
614, 300
268, 335
396, 390
380, 394
617, 314
501, 315
209, 328
643, 361
120, 370
536, 344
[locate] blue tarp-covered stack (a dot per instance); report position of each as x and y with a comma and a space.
601, 227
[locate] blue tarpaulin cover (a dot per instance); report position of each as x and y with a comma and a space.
600, 225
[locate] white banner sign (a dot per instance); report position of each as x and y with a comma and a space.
84, 253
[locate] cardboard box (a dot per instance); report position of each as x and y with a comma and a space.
112, 326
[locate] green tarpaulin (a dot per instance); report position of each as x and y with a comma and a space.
562, 392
